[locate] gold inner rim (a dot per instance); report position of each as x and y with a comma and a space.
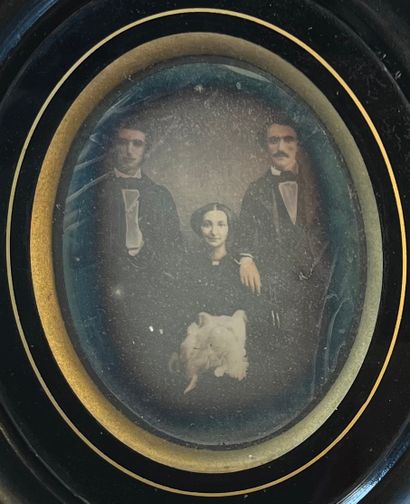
156, 448
398, 206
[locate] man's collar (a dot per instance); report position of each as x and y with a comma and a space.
120, 174
276, 173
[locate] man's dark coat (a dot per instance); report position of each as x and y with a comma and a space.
289, 256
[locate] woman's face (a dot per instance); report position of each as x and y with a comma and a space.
215, 228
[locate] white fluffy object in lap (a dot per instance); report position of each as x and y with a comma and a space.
215, 343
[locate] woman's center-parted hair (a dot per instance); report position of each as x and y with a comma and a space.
198, 217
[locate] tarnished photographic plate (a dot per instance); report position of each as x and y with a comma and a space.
168, 181
207, 253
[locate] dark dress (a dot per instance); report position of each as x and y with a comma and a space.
216, 289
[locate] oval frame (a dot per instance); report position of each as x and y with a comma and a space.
383, 151
106, 414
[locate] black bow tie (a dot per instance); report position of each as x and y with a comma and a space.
288, 176
285, 176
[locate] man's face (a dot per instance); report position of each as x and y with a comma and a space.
282, 142
129, 149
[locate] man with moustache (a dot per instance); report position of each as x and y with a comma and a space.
280, 239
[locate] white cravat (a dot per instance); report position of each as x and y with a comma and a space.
289, 191
134, 241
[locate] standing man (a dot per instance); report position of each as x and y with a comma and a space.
127, 238
280, 237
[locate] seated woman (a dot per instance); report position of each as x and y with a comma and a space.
213, 272
212, 286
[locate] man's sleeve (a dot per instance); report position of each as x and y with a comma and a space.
248, 226
169, 246
172, 223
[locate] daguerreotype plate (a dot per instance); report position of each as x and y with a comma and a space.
205, 252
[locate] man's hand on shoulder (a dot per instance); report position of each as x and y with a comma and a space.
249, 274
